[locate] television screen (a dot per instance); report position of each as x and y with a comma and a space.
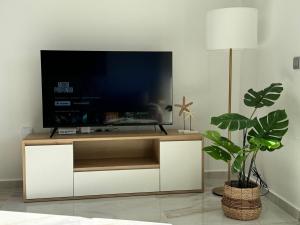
95, 88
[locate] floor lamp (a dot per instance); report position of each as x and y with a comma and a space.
228, 29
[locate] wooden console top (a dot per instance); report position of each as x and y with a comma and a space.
44, 139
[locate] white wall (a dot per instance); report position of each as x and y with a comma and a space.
177, 25
279, 35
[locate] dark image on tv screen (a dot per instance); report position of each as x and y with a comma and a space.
95, 88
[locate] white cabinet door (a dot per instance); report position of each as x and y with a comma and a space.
49, 171
180, 165
116, 182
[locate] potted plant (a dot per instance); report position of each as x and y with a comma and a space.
241, 198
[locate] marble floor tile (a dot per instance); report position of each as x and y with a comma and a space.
177, 209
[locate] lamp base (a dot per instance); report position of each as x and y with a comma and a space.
219, 191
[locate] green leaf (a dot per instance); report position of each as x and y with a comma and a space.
265, 144
266, 97
217, 153
270, 127
221, 141
232, 121
213, 135
238, 162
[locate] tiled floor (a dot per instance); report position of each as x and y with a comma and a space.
185, 209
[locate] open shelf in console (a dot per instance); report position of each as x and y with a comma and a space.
116, 154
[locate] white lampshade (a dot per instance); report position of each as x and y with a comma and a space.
234, 28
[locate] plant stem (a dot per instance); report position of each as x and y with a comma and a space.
245, 131
243, 172
253, 113
240, 178
251, 165
244, 163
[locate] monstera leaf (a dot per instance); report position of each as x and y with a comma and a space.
221, 141
263, 98
265, 144
270, 127
217, 153
232, 121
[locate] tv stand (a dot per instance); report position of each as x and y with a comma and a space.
111, 164
53, 132
163, 129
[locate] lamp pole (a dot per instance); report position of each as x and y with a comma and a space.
220, 190
229, 103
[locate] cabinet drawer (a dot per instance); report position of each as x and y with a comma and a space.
116, 182
181, 165
49, 171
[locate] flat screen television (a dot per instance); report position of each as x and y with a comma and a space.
98, 88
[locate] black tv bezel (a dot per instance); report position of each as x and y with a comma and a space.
113, 124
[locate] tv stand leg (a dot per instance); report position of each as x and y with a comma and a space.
162, 129
53, 132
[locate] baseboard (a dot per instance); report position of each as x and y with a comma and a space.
284, 204
218, 174
215, 174
11, 183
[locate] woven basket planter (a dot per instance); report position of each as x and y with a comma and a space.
241, 203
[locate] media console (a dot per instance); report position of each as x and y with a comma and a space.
113, 164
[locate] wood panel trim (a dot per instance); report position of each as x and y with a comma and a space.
203, 166
115, 164
44, 139
24, 170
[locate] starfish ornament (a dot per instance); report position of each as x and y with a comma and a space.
184, 107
